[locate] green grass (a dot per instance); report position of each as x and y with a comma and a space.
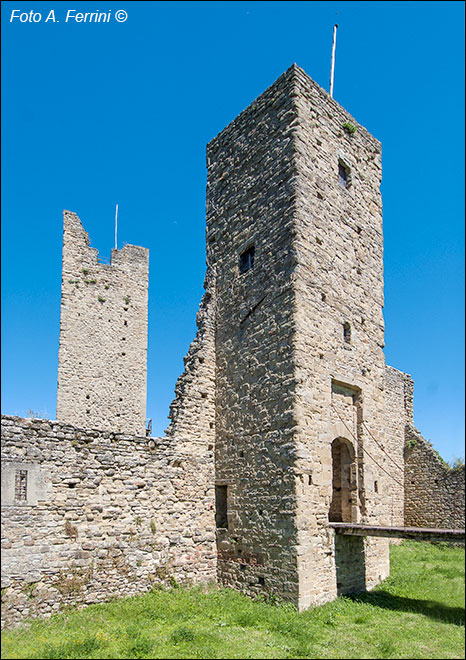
417, 613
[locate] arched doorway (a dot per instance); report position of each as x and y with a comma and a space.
344, 488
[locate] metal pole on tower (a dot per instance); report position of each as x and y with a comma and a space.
116, 225
332, 66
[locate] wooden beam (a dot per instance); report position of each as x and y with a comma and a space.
419, 533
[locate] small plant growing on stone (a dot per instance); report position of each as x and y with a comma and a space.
456, 463
68, 585
349, 127
89, 573
409, 444
32, 414
138, 521
173, 583
107, 286
70, 530
127, 300
90, 281
100, 299
153, 528
85, 271
29, 589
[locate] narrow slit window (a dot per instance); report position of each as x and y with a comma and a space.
246, 260
347, 332
343, 174
21, 485
221, 514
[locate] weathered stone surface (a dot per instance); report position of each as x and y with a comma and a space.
102, 359
285, 371
434, 492
130, 544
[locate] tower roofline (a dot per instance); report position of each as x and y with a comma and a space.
293, 75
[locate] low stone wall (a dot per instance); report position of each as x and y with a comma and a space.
434, 492
88, 515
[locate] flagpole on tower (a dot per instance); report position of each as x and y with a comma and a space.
116, 225
332, 66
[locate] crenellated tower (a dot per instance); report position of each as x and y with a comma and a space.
102, 360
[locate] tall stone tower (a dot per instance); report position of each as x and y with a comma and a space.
102, 359
294, 232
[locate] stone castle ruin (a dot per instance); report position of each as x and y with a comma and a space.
286, 420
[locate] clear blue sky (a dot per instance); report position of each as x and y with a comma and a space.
98, 114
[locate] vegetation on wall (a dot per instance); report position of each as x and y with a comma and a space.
349, 127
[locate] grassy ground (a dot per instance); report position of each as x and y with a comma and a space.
417, 613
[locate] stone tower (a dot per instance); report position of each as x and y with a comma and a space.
294, 232
102, 359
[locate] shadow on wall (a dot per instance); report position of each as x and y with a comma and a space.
430, 608
350, 564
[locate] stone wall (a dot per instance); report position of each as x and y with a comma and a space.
339, 359
398, 407
192, 412
250, 193
89, 514
102, 359
434, 492
294, 229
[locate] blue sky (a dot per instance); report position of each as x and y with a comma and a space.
99, 114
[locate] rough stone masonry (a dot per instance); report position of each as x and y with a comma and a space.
285, 418
102, 359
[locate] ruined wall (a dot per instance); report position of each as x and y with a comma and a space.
102, 359
192, 412
434, 492
398, 408
88, 514
250, 196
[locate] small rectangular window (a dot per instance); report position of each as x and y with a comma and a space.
221, 516
21, 484
347, 332
343, 174
246, 260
